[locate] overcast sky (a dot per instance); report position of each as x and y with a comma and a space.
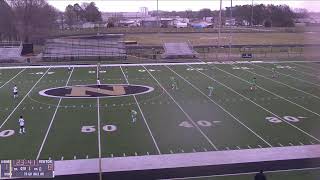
180, 5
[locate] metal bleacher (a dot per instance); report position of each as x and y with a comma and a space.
10, 50
178, 50
84, 48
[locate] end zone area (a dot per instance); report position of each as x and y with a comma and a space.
97, 121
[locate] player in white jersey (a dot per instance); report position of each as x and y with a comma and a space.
21, 124
98, 83
15, 91
134, 115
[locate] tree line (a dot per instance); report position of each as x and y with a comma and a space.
26, 20
267, 15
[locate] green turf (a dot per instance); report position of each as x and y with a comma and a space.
170, 121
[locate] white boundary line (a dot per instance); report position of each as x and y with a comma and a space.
145, 121
185, 113
148, 64
317, 97
257, 135
52, 119
272, 93
12, 78
288, 75
258, 105
8, 117
248, 173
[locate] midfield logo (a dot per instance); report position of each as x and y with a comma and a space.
94, 91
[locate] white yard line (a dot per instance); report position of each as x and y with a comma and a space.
142, 114
270, 92
8, 117
248, 99
99, 131
302, 80
317, 97
226, 111
52, 119
185, 113
12, 78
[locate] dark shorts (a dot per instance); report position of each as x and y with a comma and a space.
21, 127
15, 93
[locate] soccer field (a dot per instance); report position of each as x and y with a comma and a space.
84, 121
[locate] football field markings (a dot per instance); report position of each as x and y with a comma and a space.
306, 73
12, 78
302, 80
270, 92
142, 114
8, 117
235, 118
52, 119
305, 66
317, 97
185, 113
248, 99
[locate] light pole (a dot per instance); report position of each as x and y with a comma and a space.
219, 29
230, 42
252, 13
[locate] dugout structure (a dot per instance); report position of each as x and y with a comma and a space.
77, 48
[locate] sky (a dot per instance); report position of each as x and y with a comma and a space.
181, 5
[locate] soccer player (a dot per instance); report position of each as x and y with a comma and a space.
210, 90
173, 83
133, 115
21, 124
253, 84
260, 176
98, 83
15, 91
274, 73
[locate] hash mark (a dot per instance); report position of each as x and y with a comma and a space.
205, 149
291, 144
301, 143
238, 147
171, 151
112, 155
249, 146
260, 146
280, 144
124, 154
136, 154
227, 148
311, 142
62, 157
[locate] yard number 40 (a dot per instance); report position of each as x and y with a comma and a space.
287, 118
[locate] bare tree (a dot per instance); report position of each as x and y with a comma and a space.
33, 16
7, 27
